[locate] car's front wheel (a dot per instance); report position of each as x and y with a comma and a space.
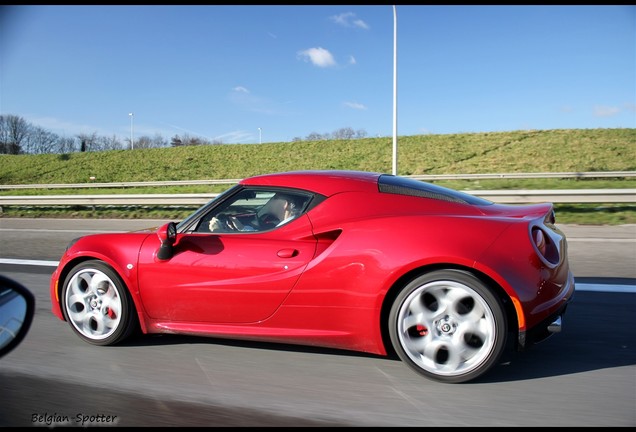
448, 326
97, 304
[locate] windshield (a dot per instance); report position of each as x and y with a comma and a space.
186, 222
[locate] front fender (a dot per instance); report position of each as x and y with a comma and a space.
117, 251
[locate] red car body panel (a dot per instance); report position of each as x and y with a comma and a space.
326, 278
256, 271
326, 183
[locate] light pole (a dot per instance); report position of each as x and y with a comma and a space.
260, 136
395, 146
132, 142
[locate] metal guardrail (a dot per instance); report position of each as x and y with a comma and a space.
197, 199
424, 177
559, 196
115, 185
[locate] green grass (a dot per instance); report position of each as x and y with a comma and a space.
571, 150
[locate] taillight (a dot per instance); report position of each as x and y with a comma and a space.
539, 240
545, 245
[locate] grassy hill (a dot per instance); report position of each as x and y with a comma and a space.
569, 150
521, 151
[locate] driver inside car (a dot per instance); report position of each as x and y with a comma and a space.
281, 209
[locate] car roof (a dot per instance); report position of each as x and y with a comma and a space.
325, 182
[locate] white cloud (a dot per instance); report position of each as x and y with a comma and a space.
61, 125
348, 19
241, 89
605, 111
352, 60
318, 56
355, 105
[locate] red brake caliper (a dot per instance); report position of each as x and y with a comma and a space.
423, 331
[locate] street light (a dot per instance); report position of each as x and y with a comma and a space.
395, 143
132, 142
260, 136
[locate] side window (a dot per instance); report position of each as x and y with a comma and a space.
254, 211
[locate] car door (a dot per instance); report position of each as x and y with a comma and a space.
224, 278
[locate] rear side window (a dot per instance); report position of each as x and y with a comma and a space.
388, 183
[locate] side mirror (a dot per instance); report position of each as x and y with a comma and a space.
167, 236
17, 307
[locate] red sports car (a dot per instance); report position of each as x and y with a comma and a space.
351, 260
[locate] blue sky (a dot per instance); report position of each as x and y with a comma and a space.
237, 74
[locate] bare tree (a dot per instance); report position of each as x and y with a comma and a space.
314, 136
13, 131
158, 141
18, 136
187, 140
176, 141
89, 142
66, 145
196, 141
361, 133
344, 133
40, 141
147, 142
112, 143
142, 142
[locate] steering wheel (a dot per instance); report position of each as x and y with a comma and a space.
267, 220
226, 222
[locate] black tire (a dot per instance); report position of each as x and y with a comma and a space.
97, 305
448, 326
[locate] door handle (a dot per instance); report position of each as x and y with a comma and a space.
287, 253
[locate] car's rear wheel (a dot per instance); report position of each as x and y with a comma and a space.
97, 304
448, 326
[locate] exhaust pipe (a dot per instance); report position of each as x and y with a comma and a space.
555, 326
